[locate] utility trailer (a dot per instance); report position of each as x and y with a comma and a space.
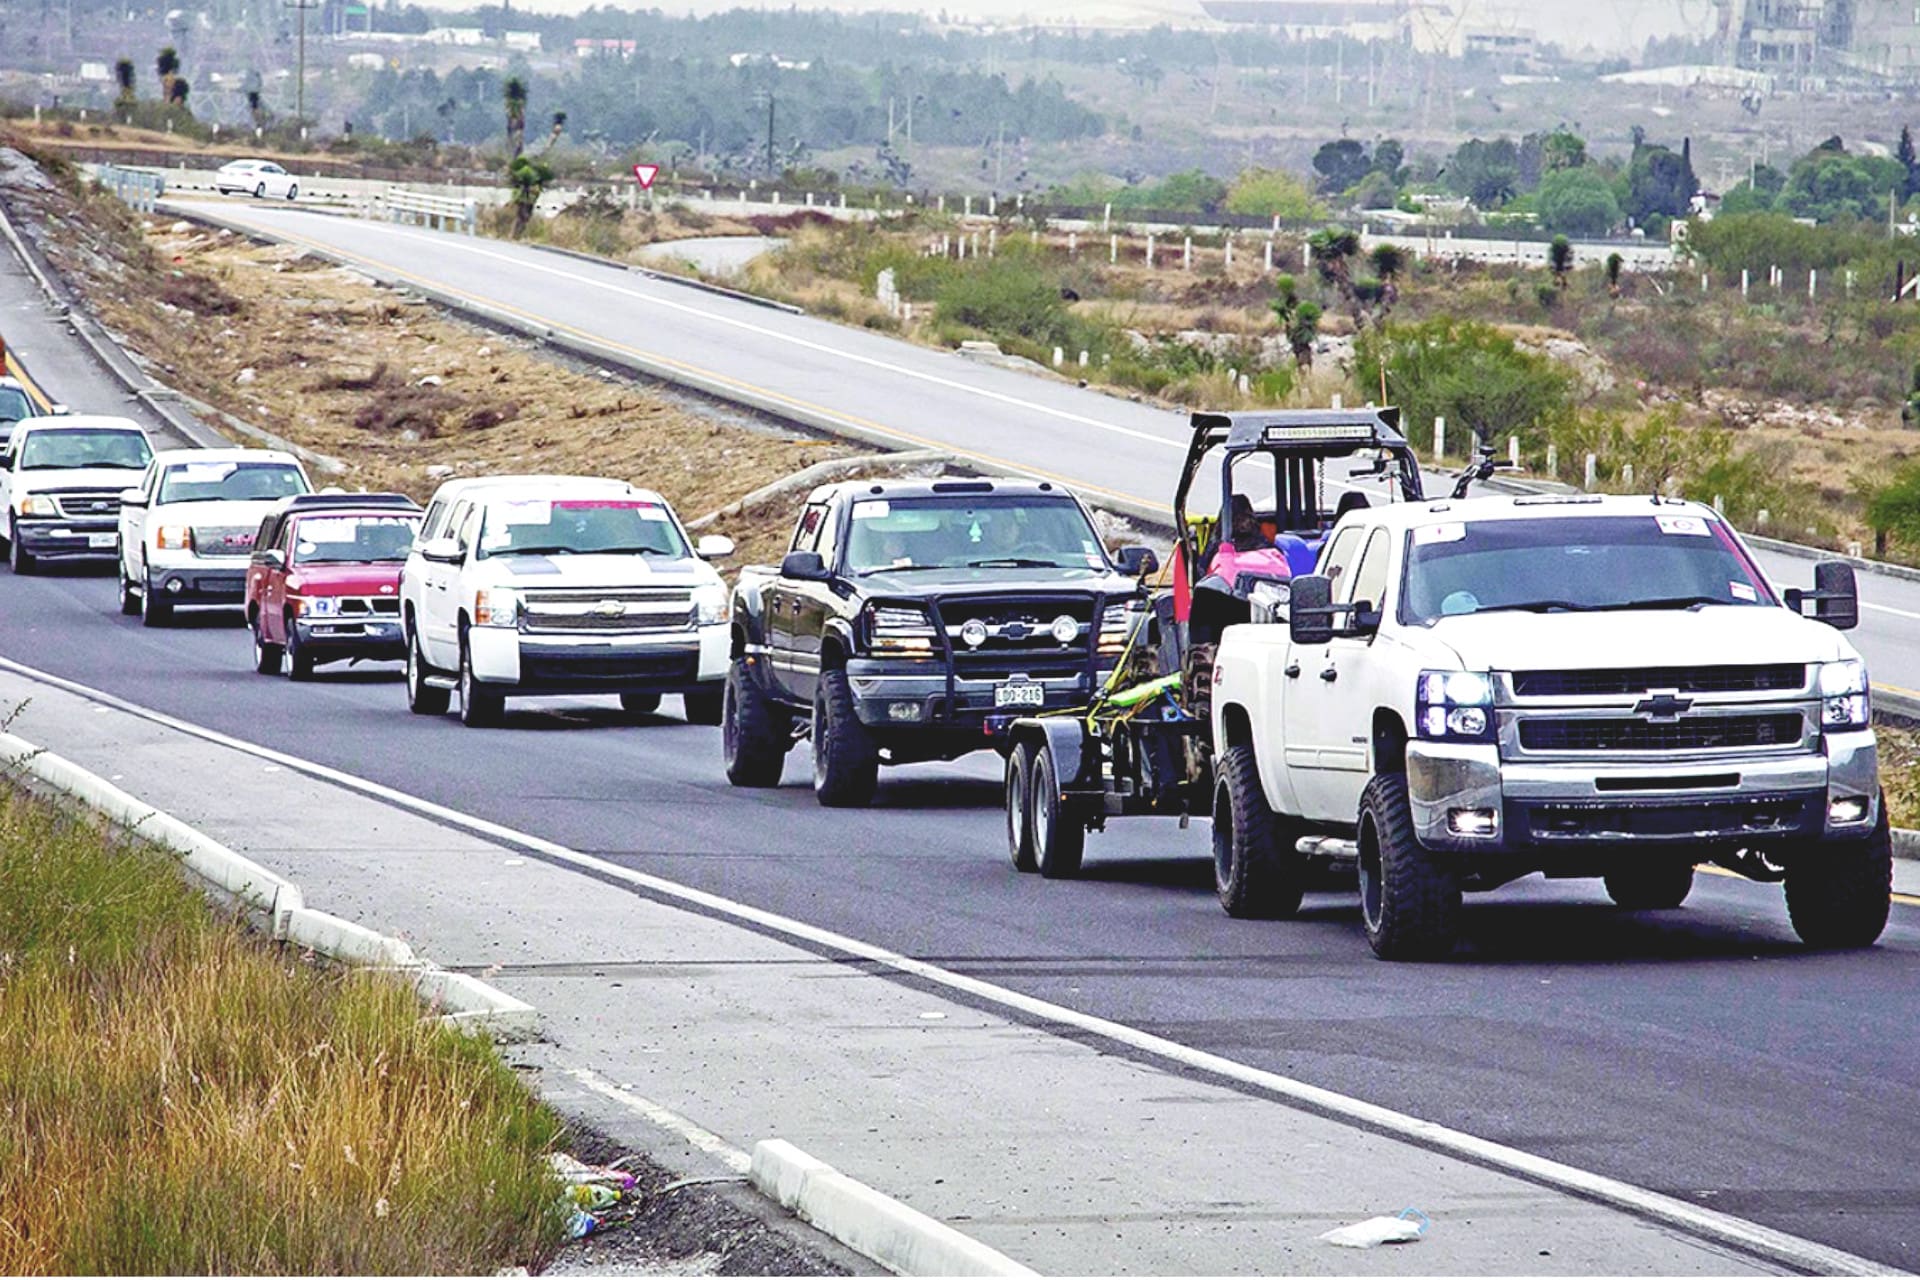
1144, 746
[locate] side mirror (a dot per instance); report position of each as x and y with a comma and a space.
273, 558
714, 547
1138, 562
804, 566
132, 497
1835, 596
442, 550
6, 459
1310, 616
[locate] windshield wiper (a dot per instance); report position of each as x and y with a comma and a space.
1016, 562
1667, 602
555, 550
1535, 606
904, 568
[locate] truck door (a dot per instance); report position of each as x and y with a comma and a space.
133, 528
792, 614
440, 595
1328, 727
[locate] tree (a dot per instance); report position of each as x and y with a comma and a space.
1299, 320
1894, 510
1560, 259
1389, 158
1828, 184
255, 109
528, 179
1341, 164
1273, 193
1660, 181
1196, 190
1909, 160
123, 76
1487, 173
168, 65
1375, 191
1615, 265
177, 95
559, 127
1757, 195
514, 93
1577, 202
1562, 150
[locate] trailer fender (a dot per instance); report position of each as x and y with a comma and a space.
1074, 754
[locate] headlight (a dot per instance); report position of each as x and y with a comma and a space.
1454, 706
710, 604
1116, 626
173, 537
1064, 629
38, 505
901, 630
1844, 695
496, 607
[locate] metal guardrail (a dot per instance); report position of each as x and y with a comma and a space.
138, 188
446, 213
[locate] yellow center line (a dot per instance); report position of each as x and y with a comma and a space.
1904, 899
34, 392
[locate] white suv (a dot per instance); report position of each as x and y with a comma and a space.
60, 482
186, 533
542, 585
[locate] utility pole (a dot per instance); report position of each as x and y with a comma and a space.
771, 171
1000, 157
300, 72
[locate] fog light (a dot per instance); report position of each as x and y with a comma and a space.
1473, 823
174, 586
1846, 812
1064, 629
903, 711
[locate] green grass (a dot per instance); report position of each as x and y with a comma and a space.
178, 1096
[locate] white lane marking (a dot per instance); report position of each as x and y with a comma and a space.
672, 1121
1898, 613
1753, 1237
792, 339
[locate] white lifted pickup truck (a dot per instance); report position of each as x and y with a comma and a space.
1470, 691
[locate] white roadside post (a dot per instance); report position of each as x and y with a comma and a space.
1593, 471
1439, 439
1513, 452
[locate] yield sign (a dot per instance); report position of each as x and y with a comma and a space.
646, 173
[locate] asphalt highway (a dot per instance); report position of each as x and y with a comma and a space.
1100, 444
1699, 1052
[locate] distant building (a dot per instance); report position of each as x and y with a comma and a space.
1430, 26
622, 49
1797, 38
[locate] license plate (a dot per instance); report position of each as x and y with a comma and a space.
1020, 693
101, 541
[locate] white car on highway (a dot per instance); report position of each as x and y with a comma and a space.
187, 530
60, 483
259, 178
542, 585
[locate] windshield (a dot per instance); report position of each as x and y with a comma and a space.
354, 539
14, 404
972, 532
67, 450
584, 526
1577, 565
231, 482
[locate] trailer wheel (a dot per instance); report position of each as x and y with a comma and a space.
1019, 801
1257, 870
1059, 837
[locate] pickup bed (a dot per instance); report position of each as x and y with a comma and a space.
915, 621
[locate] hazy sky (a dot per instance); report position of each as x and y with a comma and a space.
1612, 24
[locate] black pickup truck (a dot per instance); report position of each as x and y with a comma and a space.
916, 620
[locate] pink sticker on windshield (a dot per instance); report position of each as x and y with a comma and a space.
1685, 526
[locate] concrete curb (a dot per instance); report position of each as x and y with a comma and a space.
898, 1237
1906, 844
110, 354
274, 900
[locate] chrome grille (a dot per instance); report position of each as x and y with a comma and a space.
1023, 629
1691, 733
591, 612
235, 540
1601, 682
369, 606
88, 506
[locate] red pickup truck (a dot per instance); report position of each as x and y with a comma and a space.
324, 582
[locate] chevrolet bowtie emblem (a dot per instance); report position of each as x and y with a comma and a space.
610, 609
1663, 706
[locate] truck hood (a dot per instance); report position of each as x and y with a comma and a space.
347, 579
1715, 635
213, 515
108, 479
985, 581
597, 572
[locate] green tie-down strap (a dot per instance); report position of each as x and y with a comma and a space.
1127, 699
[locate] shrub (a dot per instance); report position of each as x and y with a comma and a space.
1005, 296
1470, 374
1894, 510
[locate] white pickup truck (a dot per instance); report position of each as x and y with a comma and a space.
1470, 691
544, 585
60, 483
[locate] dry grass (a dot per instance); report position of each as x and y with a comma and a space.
180, 1098
1900, 774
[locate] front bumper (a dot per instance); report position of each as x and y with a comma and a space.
1597, 805
379, 639
668, 662
913, 694
58, 539
195, 582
